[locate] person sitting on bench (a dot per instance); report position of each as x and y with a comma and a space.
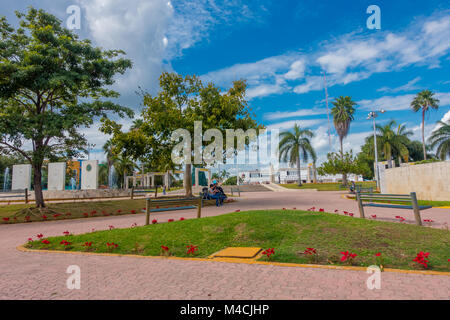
223, 196
213, 193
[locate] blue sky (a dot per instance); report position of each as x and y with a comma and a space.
281, 48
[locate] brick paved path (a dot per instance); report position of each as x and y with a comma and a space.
29, 275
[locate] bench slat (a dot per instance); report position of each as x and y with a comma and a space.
394, 206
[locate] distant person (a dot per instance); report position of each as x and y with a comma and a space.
352, 187
164, 190
213, 193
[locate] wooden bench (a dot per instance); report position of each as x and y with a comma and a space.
409, 199
135, 191
364, 190
235, 190
173, 204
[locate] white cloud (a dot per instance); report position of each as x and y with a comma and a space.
389, 103
287, 125
349, 58
290, 114
406, 87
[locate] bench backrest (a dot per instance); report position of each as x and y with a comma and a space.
369, 197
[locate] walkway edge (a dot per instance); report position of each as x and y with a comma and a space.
244, 261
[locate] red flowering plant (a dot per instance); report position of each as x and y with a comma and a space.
46, 243
165, 251
348, 257
421, 259
44, 217
40, 235
27, 219
170, 220
428, 221
321, 210
87, 246
133, 211
181, 219
134, 225
401, 219
85, 214
379, 258
191, 249
374, 216
6, 219
268, 253
311, 254
154, 221
111, 227
66, 244
66, 233
111, 246
119, 211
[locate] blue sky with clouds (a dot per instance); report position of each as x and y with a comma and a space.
281, 47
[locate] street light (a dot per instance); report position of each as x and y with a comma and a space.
372, 115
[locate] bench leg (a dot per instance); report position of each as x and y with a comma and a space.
147, 212
360, 205
416, 209
199, 207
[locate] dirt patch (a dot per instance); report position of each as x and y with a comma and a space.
242, 234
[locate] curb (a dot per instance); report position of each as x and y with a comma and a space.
243, 261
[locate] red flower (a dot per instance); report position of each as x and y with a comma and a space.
111, 227
27, 218
164, 248
5, 219
93, 229
45, 241
40, 235
351, 214
85, 214
65, 242
191, 249
294, 208
44, 217
93, 212
56, 215
154, 221
336, 210
119, 211
170, 220
374, 216
268, 252
347, 256
378, 254
181, 219
345, 212
421, 258
237, 210
30, 239
66, 233
134, 225
310, 251
321, 210
112, 245
68, 214
284, 208
133, 211
87, 244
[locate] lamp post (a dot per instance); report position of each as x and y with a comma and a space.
372, 115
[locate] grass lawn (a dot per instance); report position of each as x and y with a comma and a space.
334, 186
420, 202
73, 210
289, 232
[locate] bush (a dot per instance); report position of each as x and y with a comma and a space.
232, 181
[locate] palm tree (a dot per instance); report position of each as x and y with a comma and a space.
424, 101
293, 144
123, 165
342, 113
441, 138
391, 141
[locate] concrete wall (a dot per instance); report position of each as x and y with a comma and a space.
431, 181
21, 177
56, 176
89, 174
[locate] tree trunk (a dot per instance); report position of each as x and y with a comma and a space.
188, 180
423, 135
344, 175
299, 178
37, 177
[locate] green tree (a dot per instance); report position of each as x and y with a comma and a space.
393, 142
179, 102
423, 101
440, 138
296, 145
343, 164
342, 113
51, 84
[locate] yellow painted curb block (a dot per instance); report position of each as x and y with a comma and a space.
445, 207
237, 260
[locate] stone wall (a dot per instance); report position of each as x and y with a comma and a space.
430, 181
